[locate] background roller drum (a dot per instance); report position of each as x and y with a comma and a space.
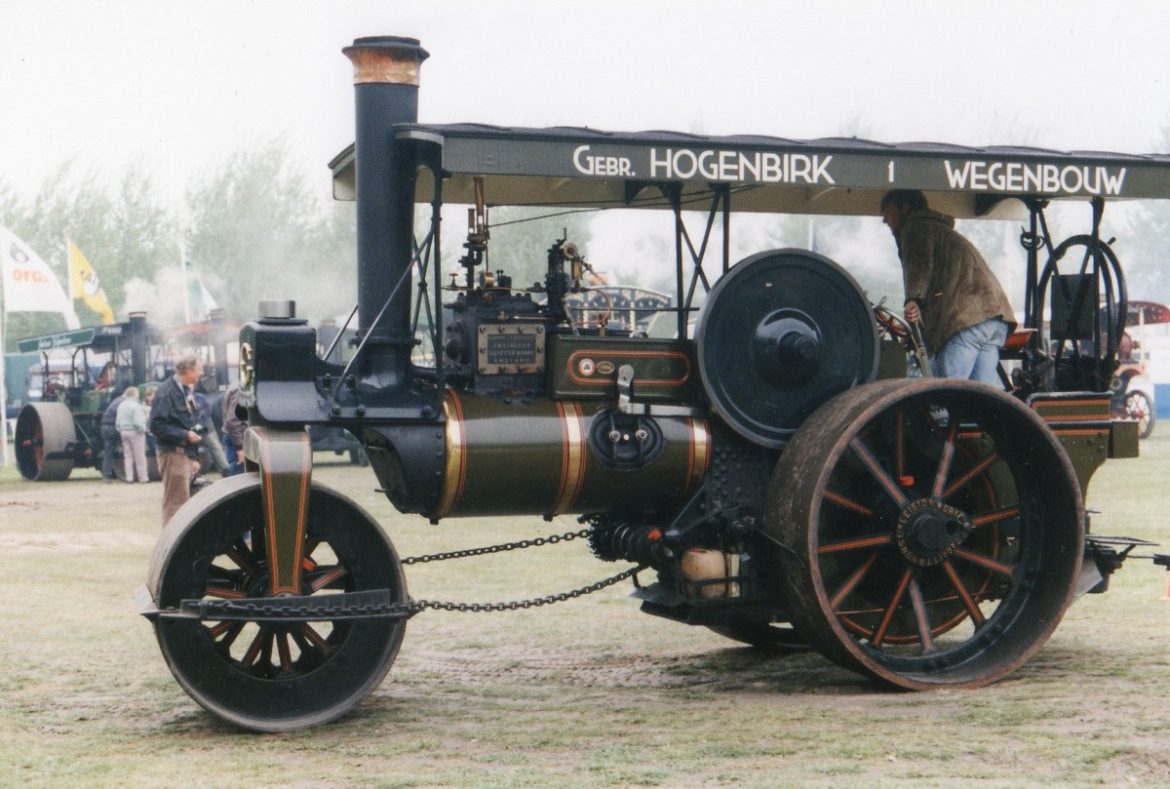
44, 435
274, 677
779, 334
933, 532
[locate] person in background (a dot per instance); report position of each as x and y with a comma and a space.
151, 445
110, 437
211, 435
131, 424
966, 317
233, 429
174, 421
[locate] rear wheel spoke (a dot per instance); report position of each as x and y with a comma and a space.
944, 462
858, 544
969, 475
921, 618
996, 516
867, 458
851, 582
960, 588
984, 561
848, 503
888, 616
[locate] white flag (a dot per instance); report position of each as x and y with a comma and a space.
29, 283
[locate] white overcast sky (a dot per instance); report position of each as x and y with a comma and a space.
173, 87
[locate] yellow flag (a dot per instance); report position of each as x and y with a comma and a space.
85, 285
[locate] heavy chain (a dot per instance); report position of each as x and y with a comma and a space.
416, 606
515, 605
505, 546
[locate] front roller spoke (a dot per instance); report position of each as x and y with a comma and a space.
282, 649
327, 578
256, 648
226, 633
309, 640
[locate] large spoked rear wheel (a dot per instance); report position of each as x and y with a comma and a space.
934, 532
274, 677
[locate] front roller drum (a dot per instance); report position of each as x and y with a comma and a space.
274, 676
932, 532
43, 436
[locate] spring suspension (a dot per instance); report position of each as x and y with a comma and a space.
631, 542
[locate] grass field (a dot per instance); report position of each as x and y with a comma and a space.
586, 693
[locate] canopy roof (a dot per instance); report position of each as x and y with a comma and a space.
847, 176
106, 338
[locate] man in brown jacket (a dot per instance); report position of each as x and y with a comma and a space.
965, 315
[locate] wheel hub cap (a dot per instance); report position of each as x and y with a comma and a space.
929, 530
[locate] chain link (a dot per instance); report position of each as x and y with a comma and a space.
415, 606
488, 549
421, 605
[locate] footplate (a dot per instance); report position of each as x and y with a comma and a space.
370, 604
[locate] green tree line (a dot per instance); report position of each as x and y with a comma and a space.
251, 228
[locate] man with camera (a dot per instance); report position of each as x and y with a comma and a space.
174, 421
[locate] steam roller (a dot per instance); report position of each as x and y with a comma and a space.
758, 479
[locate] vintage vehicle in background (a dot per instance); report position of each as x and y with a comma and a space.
771, 471
1143, 364
1133, 394
80, 373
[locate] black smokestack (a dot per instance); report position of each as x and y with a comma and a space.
138, 346
386, 93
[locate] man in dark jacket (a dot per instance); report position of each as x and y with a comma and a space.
174, 421
965, 315
110, 437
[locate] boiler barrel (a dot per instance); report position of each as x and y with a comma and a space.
550, 457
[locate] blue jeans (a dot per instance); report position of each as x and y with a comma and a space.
973, 352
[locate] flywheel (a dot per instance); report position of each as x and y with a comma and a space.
779, 334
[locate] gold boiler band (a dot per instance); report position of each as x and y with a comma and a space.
455, 469
572, 456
